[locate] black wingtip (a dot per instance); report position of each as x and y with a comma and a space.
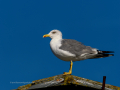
111, 54
106, 55
100, 51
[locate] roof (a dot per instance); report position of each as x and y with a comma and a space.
61, 81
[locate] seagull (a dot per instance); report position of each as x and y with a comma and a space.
72, 50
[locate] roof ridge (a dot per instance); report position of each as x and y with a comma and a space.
61, 80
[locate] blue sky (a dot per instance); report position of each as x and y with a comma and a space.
26, 56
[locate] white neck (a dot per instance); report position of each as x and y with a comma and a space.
57, 37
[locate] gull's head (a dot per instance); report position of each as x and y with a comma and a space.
54, 34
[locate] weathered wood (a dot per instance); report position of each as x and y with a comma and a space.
64, 80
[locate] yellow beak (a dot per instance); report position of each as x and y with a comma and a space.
46, 35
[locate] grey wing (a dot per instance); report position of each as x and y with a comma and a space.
75, 47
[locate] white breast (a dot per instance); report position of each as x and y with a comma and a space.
61, 54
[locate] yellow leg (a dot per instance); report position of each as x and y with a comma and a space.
70, 70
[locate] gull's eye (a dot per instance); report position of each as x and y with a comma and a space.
53, 32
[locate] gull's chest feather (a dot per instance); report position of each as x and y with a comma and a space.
54, 45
